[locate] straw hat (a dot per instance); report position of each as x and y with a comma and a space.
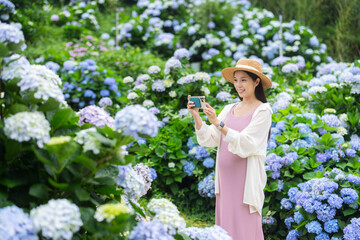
248, 65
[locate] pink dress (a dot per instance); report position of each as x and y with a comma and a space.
230, 212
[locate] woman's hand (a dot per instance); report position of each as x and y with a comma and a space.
211, 114
193, 111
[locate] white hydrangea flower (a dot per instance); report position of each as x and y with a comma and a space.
342, 131
172, 94
141, 87
171, 165
148, 103
89, 142
161, 205
58, 219
172, 220
15, 68
343, 117
24, 126
329, 110
205, 90
168, 83
202, 76
128, 79
132, 95
154, 69
109, 211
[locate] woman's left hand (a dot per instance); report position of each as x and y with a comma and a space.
211, 114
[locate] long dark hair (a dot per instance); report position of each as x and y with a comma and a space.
259, 91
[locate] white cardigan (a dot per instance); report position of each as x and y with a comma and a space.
251, 143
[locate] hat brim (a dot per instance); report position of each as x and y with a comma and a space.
228, 74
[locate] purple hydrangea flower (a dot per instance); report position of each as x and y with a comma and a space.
182, 53
95, 115
223, 96
153, 230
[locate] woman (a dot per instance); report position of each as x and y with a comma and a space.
240, 132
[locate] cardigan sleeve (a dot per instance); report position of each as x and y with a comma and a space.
209, 135
248, 142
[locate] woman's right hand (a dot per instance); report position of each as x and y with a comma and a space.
193, 111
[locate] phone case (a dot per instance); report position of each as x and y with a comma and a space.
196, 100
199, 101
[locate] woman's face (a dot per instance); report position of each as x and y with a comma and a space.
244, 84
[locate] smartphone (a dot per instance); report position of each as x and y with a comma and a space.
199, 101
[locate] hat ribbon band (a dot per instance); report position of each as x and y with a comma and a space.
248, 67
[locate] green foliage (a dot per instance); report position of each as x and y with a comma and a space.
336, 22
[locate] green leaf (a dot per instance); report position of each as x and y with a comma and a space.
87, 217
110, 171
160, 150
309, 175
13, 181
4, 51
109, 190
181, 236
178, 179
137, 209
61, 117
174, 188
86, 162
180, 154
39, 191
15, 108
104, 140
58, 185
49, 105
169, 180
348, 212
82, 194
341, 223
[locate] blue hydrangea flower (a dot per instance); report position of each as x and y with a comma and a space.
331, 226
331, 120
189, 167
134, 120
172, 63
325, 213
314, 227
132, 183
290, 68
208, 162
353, 178
288, 222
268, 220
153, 173
201, 153
349, 195
58, 219
350, 152
322, 236
153, 230
104, 93
206, 187
293, 235
209, 233
182, 53
335, 201
105, 101
352, 231
11, 33
223, 96
158, 86
285, 203
15, 224
298, 217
